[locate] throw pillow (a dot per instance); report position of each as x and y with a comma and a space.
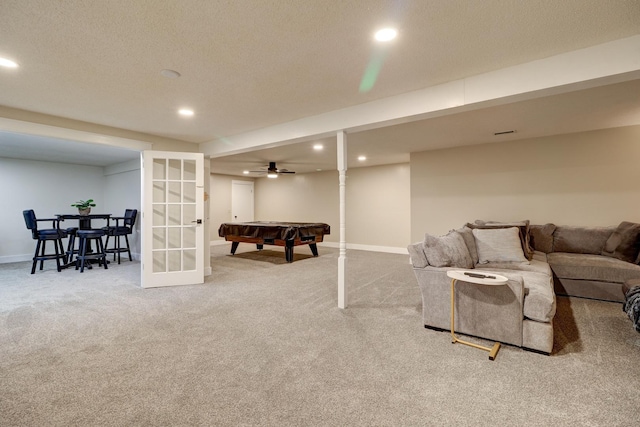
523, 227
542, 237
499, 245
447, 251
416, 253
470, 241
624, 242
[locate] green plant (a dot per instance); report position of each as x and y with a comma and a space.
84, 204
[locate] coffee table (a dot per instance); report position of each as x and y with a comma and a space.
480, 278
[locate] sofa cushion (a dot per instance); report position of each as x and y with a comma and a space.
535, 265
580, 240
624, 242
592, 267
539, 256
542, 237
540, 299
447, 251
498, 245
523, 227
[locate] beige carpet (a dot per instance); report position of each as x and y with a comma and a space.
262, 342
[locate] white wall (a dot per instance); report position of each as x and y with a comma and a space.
378, 205
310, 197
48, 189
588, 178
378, 208
220, 205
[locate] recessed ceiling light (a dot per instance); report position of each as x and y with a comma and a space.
172, 74
185, 112
386, 34
4, 62
318, 147
245, 172
362, 158
319, 170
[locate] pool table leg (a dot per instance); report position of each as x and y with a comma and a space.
314, 249
288, 251
234, 246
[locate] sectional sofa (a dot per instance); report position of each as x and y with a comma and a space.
538, 260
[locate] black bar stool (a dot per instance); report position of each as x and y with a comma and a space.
84, 236
120, 230
42, 236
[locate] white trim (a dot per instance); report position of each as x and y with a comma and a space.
371, 248
15, 258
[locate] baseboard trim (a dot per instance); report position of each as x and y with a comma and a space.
15, 258
354, 246
20, 258
370, 248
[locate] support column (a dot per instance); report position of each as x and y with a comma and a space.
342, 258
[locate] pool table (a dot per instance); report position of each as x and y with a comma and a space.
287, 234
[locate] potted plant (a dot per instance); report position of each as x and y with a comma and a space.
84, 206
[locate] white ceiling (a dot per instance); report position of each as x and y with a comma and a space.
248, 65
33, 147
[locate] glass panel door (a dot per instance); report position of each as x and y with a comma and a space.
174, 248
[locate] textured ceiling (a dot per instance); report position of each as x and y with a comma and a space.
250, 64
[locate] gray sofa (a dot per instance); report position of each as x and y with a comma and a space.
590, 262
579, 261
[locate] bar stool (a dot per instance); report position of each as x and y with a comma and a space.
120, 230
84, 237
54, 234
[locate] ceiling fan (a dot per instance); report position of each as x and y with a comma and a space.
272, 171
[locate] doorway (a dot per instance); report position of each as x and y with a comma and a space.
242, 203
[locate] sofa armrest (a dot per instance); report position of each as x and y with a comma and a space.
418, 257
492, 312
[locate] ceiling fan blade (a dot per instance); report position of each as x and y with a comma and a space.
271, 168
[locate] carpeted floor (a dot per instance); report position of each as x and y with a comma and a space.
262, 342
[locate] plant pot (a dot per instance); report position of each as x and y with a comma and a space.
86, 211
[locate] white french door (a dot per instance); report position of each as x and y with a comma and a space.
172, 218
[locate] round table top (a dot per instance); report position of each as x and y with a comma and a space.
472, 276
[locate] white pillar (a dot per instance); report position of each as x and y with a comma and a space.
342, 258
